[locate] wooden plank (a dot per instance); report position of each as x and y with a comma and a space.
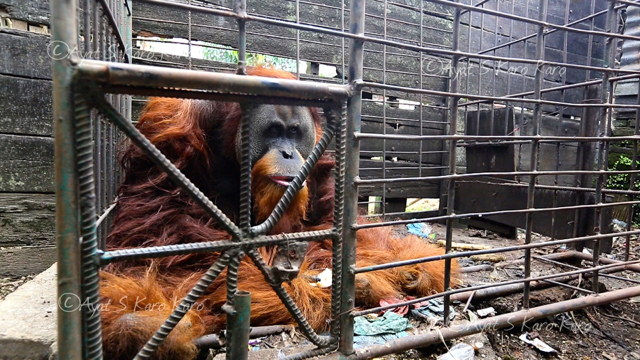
402, 216
512, 79
399, 123
25, 107
481, 196
372, 169
27, 164
487, 195
151, 58
432, 119
415, 189
27, 219
24, 53
402, 149
155, 19
551, 157
489, 37
490, 158
33, 11
26, 260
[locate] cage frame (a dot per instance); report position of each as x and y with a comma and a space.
79, 86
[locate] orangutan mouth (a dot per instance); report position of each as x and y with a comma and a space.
285, 180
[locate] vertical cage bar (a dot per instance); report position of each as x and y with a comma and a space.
453, 128
89, 245
338, 218
240, 324
238, 313
421, 86
298, 40
565, 44
344, 52
87, 26
63, 30
632, 180
240, 7
535, 149
383, 198
97, 131
352, 158
190, 65
103, 126
603, 130
581, 158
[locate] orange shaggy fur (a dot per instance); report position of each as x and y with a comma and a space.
198, 137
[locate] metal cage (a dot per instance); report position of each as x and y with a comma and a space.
504, 110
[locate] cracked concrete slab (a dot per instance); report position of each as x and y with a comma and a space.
28, 327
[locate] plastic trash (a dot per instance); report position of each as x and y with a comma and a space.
537, 342
389, 323
323, 280
420, 229
460, 351
364, 340
486, 312
433, 309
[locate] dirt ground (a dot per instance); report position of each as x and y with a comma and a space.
610, 332
11, 284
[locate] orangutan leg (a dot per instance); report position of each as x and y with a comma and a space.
376, 246
134, 308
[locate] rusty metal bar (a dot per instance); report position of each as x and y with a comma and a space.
486, 251
238, 314
624, 264
213, 96
560, 88
490, 213
485, 98
89, 243
603, 274
535, 149
603, 131
70, 327
488, 286
451, 187
114, 28
152, 76
488, 138
509, 320
567, 188
482, 174
632, 180
214, 341
238, 345
352, 162
209, 246
338, 218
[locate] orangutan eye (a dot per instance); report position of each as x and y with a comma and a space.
273, 131
293, 131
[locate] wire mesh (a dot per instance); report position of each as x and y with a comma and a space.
507, 113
